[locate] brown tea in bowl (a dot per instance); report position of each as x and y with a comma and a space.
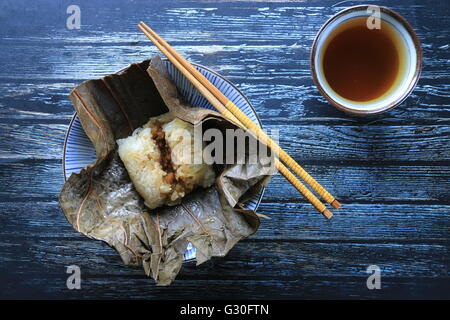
363, 67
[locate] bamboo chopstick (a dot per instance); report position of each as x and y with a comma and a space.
222, 108
245, 120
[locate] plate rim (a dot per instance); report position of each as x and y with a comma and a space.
72, 120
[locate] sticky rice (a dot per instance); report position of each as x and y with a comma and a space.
159, 161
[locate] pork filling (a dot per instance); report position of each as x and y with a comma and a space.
166, 159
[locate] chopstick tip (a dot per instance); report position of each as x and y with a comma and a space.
336, 204
327, 213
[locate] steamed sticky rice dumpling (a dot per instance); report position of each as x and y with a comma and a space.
148, 167
159, 161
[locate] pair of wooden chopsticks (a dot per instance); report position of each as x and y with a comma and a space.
228, 109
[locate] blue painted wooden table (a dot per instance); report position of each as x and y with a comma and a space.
392, 171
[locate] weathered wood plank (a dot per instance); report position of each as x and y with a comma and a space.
202, 21
373, 143
231, 23
263, 260
373, 184
391, 171
350, 183
283, 259
277, 66
31, 287
36, 100
33, 141
308, 265
300, 103
279, 63
401, 223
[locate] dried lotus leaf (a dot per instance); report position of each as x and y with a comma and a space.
102, 202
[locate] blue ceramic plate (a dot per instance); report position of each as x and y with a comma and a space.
79, 151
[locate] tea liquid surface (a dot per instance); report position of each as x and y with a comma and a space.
361, 64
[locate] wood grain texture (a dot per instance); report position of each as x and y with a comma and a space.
356, 184
391, 171
374, 143
290, 221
